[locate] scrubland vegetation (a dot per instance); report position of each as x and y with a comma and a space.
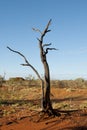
32, 82
27, 92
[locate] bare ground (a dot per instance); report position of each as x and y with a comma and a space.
70, 103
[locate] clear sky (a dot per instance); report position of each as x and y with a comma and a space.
68, 34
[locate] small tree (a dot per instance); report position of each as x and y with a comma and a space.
45, 102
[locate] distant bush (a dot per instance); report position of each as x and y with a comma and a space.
32, 81
80, 82
77, 83
15, 81
21, 82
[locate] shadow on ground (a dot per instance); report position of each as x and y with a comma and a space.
10, 102
75, 128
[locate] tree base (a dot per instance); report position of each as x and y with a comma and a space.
51, 112
47, 114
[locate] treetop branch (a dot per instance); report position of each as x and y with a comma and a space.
43, 33
46, 29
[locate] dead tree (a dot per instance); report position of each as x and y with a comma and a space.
43, 52
44, 48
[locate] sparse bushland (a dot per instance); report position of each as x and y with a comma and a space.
14, 87
30, 81
77, 83
16, 94
21, 82
19, 107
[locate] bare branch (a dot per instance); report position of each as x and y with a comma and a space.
37, 30
47, 44
19, 54
43, 33
27, 63
24, 64
46, 29
49, 49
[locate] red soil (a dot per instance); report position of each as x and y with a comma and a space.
74, 118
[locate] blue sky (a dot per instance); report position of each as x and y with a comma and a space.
68, 34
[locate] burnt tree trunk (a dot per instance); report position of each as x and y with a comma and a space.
47, 102
47, 106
